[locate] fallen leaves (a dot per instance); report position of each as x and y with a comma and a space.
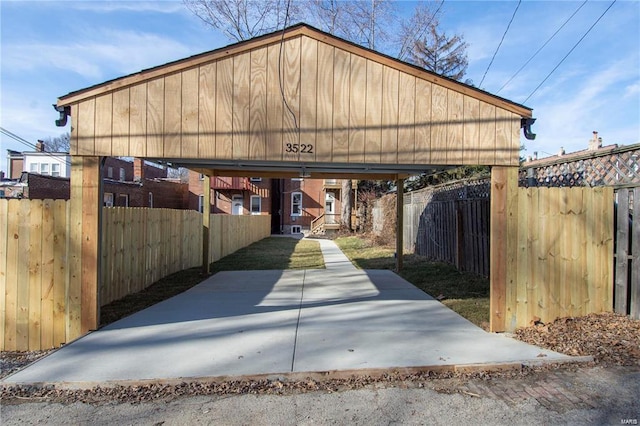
612, 339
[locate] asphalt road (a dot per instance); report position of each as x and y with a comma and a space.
585, 396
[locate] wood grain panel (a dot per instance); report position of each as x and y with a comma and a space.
224, 109
309, 96
34, 256
455, 117
91, 213
22, 314
4, 225
373, 133
514, 154
439, 122
61, 271
471, 144
155, 118
138, 121
48, 260
291, 80
104, 116
406, 119
74, 142
423, 122
324, 146
86, 127
258, 108
357, 108
207, 112
390, 80
503, 137
13, 253
274, 106
241, 101
172, 115
341, 94
121, 122
190, 113
486, 151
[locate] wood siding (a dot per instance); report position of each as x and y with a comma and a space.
41, 307
304, 101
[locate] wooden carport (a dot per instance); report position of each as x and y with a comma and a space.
296, 102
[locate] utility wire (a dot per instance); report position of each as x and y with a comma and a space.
542, 47
569, 53
280, 76
500, 44
32, 146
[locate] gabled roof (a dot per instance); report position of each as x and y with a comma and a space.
277, 37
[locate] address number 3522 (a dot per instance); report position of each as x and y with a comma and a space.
303, 148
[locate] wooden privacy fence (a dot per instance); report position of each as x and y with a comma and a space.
450, 224
139, 246
560, 257
627, 256
560, 264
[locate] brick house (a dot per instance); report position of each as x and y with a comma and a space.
296, 205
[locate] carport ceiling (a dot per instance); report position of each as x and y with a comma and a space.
295, 102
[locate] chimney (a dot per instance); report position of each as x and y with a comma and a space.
595, 143
40, 146
138, 170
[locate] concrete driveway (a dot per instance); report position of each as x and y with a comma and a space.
270, 322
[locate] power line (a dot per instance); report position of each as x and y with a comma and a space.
542, 47
569, 53
32, 146
500, 44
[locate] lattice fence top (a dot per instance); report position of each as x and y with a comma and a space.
619, 167
459, 190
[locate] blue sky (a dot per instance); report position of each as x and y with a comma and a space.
49, 49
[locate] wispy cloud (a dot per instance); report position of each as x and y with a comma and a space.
160, 6
106, 54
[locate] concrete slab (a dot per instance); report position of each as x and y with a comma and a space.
266, 322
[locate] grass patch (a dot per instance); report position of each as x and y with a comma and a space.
269, 253
465, 293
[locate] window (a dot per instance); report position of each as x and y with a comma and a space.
108, 199
122, 174
297, 179
33, 168
200, 203
256, 203
44, 168
123, 200
255, 179
110, 172
201, 176
296, 229
55, 169
296, 204
151, 199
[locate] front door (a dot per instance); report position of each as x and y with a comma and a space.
330, 208
237, 203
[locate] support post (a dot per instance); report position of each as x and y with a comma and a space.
503, 243
206, 223
83, 305
399, 223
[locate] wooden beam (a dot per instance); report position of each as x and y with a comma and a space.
206, 223
399, 223
86, 222
503, 237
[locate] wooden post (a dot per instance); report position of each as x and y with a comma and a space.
206, 223
503, 242
399, 223
86, 221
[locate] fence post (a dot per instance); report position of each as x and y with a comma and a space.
399, 222
206, 223
503, 241
85, 226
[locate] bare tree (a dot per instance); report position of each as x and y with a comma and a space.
415, 28
244, 19
60, 143
366, 23
441, 54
